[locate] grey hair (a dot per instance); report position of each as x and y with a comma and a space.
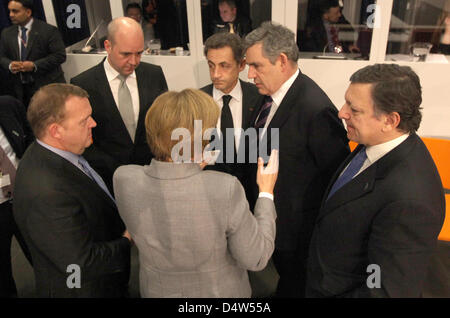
275, 39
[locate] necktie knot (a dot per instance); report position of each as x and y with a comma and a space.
122, 79
226, 99
23, 29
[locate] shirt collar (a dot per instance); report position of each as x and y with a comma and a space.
235, 93
69, 156
376, 152
111, 73
28, 25
278, 96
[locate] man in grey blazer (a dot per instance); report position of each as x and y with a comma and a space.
121, 89
237, 100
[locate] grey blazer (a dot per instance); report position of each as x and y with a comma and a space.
194, 231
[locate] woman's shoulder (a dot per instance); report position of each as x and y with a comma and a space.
128, 171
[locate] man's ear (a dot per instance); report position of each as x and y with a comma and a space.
392, 120
54, 130
29, 12
242, 65
283, 60
108, 46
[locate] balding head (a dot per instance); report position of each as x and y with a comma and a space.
123, 26
124, 45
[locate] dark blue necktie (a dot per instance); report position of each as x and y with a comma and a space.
94, 175
23, 44
352, 169
264, 112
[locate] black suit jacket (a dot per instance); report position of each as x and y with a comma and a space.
66, 218
312, 144
389, 215
112, 146
251, 100
45, 48
15, 125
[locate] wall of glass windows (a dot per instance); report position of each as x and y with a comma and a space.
335, 38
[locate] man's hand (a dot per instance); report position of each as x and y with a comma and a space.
27, 66
16, 67
267, 177
127, 235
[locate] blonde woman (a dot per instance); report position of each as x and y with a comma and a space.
194, 231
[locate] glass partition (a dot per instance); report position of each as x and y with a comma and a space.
335, 29
419, 31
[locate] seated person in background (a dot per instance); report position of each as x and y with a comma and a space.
230, 20
134, 11
441, 36
195, 233
322, 33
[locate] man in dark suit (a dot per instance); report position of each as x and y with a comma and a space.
384, 208
31, 51
69, 220
312, 144
121, 90
15, 136
230, 21
322, 30
236, 99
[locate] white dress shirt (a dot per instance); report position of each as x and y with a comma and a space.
277, 98
4, 143
235, 107
114, 82
374, 153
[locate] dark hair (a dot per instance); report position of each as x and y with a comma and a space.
324, 5
231, 3
225, 39
395, 88
133, 5
27, 4
47, 106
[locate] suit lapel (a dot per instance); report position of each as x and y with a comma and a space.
15, 44
250, 102
34, 33
143, 98
364, 183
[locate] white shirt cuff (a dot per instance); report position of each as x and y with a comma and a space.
265, 195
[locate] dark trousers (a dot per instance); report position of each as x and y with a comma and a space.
291, 267
8, 228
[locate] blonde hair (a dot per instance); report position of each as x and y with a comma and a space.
173, 110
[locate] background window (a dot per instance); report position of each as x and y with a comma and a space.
419, 27
335, 28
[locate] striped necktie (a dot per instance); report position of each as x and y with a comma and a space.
264, 112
